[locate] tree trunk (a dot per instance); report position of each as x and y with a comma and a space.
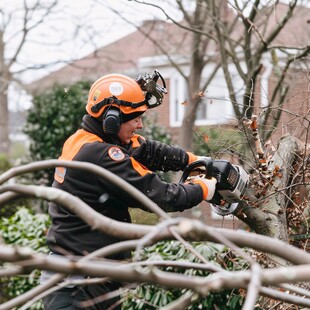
4, 111
186, 130
4, 122
268, 217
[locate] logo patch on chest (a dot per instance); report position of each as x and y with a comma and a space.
116, 153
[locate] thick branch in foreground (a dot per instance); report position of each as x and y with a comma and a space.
104, 173
131, 273
188, 229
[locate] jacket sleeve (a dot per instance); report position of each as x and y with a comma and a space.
171, 197
159, 156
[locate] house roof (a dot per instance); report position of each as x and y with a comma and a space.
123, 55
126, 54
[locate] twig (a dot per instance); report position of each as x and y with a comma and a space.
183, 302
253, 287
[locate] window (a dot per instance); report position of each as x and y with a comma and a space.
178, 90
214, 107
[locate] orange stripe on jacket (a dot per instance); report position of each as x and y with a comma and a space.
135, 141
71, 148
139, 168
75, 142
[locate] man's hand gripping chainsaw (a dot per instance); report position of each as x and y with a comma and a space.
232, 181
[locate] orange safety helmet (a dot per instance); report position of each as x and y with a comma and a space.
116, 90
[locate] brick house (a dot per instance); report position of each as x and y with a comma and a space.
136, 53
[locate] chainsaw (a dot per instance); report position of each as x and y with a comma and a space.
232, 182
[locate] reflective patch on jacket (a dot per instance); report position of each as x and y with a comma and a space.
115, 153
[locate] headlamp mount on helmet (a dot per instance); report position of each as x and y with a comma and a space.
154, 91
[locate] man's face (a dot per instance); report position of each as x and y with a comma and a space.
128, 129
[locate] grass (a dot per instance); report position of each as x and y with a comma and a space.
139, 216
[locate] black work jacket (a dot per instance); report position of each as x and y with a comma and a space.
135, 163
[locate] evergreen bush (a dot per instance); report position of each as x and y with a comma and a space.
23, 229
150, 297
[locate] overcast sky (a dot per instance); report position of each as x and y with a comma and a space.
77, 28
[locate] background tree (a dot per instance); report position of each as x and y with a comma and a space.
37, 37
15, 27
238, 38
242, 38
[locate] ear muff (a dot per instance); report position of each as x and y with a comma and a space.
112, 121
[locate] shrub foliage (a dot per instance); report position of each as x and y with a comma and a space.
27, 230
152, 297
55, 115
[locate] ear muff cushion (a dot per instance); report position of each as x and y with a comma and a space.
111, 122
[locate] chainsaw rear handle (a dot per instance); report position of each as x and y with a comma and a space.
205, 162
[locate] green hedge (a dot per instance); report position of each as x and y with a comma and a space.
153, 297
23, 229
55, 115
28, 230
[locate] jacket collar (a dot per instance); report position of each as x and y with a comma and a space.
94, 126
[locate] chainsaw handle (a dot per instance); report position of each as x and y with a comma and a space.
205, 161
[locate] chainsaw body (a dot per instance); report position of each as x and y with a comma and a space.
232, 181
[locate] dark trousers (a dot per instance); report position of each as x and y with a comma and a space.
72, 298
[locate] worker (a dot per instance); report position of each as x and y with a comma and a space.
108, 138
